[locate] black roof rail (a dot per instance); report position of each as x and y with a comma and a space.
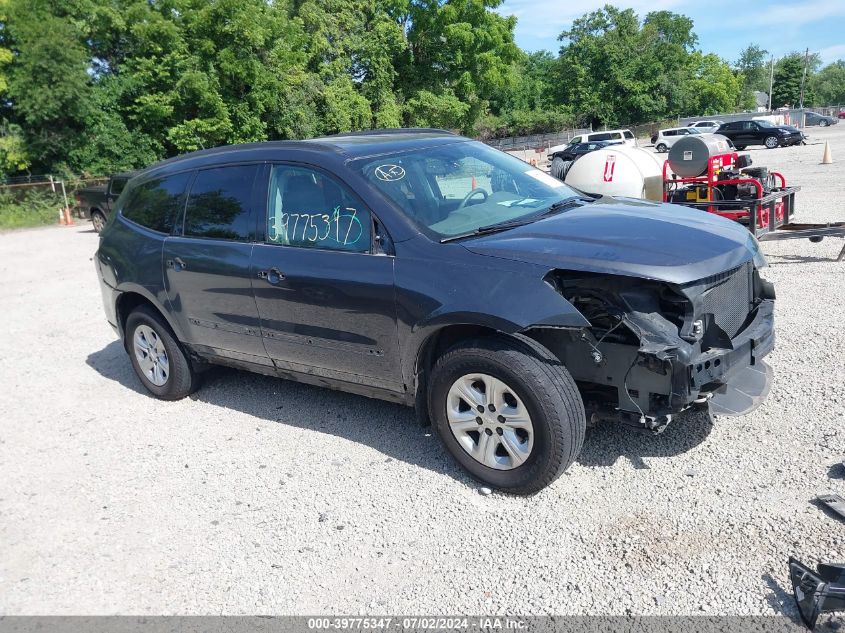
394, 130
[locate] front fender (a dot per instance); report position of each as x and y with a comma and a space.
431, 296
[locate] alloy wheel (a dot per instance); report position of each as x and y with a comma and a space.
771, 142
489, 421
151, 355
99, 222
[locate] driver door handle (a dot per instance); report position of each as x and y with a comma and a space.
176, 264
272, 276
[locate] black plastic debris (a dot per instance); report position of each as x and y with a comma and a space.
817, 592
835, 503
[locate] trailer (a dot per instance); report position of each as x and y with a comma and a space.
704, 173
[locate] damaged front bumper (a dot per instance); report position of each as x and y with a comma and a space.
666, 374
733, 377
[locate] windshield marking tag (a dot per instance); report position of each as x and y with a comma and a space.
544, 178
389, 173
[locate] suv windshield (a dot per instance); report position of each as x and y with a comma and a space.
457, 188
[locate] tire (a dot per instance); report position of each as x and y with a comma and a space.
533, 385
661, 148
771, 142
146, 331
823, 123
740, 147
560, 167
98, 220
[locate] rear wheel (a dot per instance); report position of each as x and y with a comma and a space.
157, 357
508, 412
98, 220
771, 142
661, 147
740, 147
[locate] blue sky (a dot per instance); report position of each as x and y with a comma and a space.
722, 28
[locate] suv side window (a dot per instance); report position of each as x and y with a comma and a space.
604, 136
628, 134
220, 203
310, 209
154, 204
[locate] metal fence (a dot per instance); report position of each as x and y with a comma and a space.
26, 197
536, 141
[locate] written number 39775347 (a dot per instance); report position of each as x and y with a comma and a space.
344, 228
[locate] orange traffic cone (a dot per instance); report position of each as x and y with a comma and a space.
62, 218
68, 217
474, 183
827, 159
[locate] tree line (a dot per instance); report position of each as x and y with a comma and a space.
97, 86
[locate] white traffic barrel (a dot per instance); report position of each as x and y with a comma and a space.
618, 170
689, 155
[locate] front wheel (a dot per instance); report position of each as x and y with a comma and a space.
740, 147
508, 412
771, 142
823, 123
157, 357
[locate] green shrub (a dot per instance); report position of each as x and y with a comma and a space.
28, 208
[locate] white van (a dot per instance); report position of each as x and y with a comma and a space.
618, 136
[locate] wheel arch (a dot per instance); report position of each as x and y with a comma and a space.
440, 340
129, 300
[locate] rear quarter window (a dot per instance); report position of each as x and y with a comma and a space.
629, 135
154, 204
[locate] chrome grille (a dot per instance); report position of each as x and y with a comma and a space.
728, 298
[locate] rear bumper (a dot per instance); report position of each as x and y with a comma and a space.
109, 296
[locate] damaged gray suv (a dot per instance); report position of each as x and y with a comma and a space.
427, 269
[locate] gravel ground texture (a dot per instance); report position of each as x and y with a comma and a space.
258, 495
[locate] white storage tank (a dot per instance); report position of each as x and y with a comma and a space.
619, 170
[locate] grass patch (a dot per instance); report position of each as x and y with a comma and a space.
32, 208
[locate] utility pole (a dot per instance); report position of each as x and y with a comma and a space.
803, 79
771, 82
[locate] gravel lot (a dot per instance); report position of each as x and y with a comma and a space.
262, 496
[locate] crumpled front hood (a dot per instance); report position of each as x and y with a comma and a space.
629, 237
